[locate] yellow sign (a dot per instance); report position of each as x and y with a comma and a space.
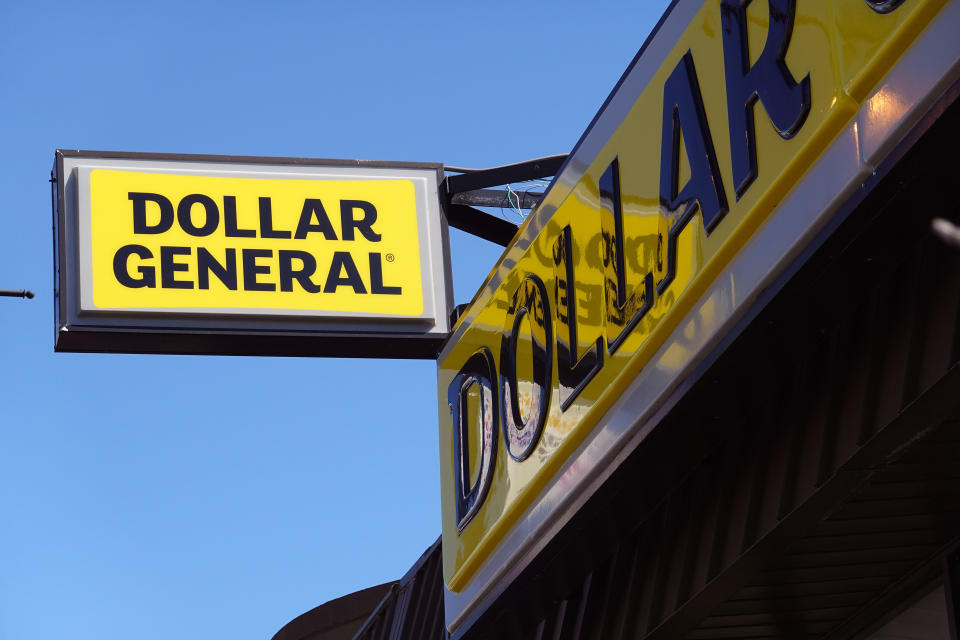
745, 101
162, 240
161, 253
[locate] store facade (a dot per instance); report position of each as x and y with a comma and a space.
711, 389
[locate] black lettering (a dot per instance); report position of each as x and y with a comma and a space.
884, 6
574, 371
211, 213
343, 261
266, 221
521, 433
148, 276
251, 270
376, 277
313, 208
230, 220
169, 268
364, 225
480, 372
768, 80
625, 306
140, 213
302, 275
683, 112
207, 264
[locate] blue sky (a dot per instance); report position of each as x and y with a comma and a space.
185, 496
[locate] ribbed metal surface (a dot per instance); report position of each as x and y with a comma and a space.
904, 514
414, 606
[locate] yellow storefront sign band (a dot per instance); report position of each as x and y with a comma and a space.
199, 242
745, 102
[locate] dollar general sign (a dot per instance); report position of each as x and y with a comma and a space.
305, 249
740, 130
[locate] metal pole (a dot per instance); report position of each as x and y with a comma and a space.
16, 293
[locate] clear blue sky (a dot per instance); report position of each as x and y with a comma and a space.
197, 497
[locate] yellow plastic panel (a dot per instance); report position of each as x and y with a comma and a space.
210, 242
870, 42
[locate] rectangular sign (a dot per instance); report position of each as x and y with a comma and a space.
735, 135
256, 255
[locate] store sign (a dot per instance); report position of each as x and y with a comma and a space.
631, 267
318, 250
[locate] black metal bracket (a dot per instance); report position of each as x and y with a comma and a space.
517, 199
481, 224
459, 192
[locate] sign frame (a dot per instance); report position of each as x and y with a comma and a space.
272, 332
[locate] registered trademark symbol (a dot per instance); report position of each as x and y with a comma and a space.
390, 257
